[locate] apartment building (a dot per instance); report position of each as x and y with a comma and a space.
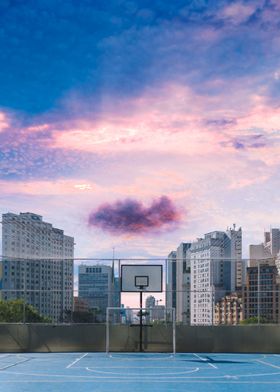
261, 293
229, 310
37, 264
214, 272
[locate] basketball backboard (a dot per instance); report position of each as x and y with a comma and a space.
136, 278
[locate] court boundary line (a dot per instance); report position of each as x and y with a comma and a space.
112, 374
204, 360
15, 364
190, 381
267, 364
76, 361
110, 377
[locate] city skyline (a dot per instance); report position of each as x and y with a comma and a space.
39, 257
138, 126
111, 254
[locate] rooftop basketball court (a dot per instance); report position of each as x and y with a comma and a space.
139, 372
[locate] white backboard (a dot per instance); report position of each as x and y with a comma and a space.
136, 278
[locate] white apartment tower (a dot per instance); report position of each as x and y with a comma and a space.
214, 272
37, 264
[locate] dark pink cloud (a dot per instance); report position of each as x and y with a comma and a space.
247, 142
132, 217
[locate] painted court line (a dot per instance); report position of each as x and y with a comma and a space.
129, 375
76, 361
179, 378
268, 364
14, 364
205, 360
131, 358
190, 381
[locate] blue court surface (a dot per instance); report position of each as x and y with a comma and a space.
123, 372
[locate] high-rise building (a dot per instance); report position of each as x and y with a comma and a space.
272, 241
183, 276
80, 305
237, 263
116, 292
259, 253
261, 293
96, 286
266, 252
171, 281
213, 272
150, 302
37, 264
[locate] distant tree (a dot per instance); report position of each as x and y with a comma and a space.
90, 316
17, 311
84, 317
254, 320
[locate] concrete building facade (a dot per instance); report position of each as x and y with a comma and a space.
183, 286
239, 266
213, 272
96, 286
272, 241
261, 294
37, 264
267, 251
171, 286
229, 310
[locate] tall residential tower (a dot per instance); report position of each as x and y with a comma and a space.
214, 272
37, 264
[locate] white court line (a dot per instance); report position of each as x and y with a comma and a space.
268, 364
204, 360
76, 361
128, 375
108, 378
122, 358
190, 381
14, 364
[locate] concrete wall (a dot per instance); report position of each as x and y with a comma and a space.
51, 338
85, 337
234, 339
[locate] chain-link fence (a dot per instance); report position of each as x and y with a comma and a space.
202, 291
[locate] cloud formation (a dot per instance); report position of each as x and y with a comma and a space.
132, 217
247, 142
140, 98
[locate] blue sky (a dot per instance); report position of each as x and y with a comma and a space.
131, 101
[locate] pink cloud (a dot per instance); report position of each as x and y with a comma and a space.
168, 119
55, 187
238, 12
4, 122
131, 217
38, 128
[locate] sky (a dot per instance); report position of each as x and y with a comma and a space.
137, 125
